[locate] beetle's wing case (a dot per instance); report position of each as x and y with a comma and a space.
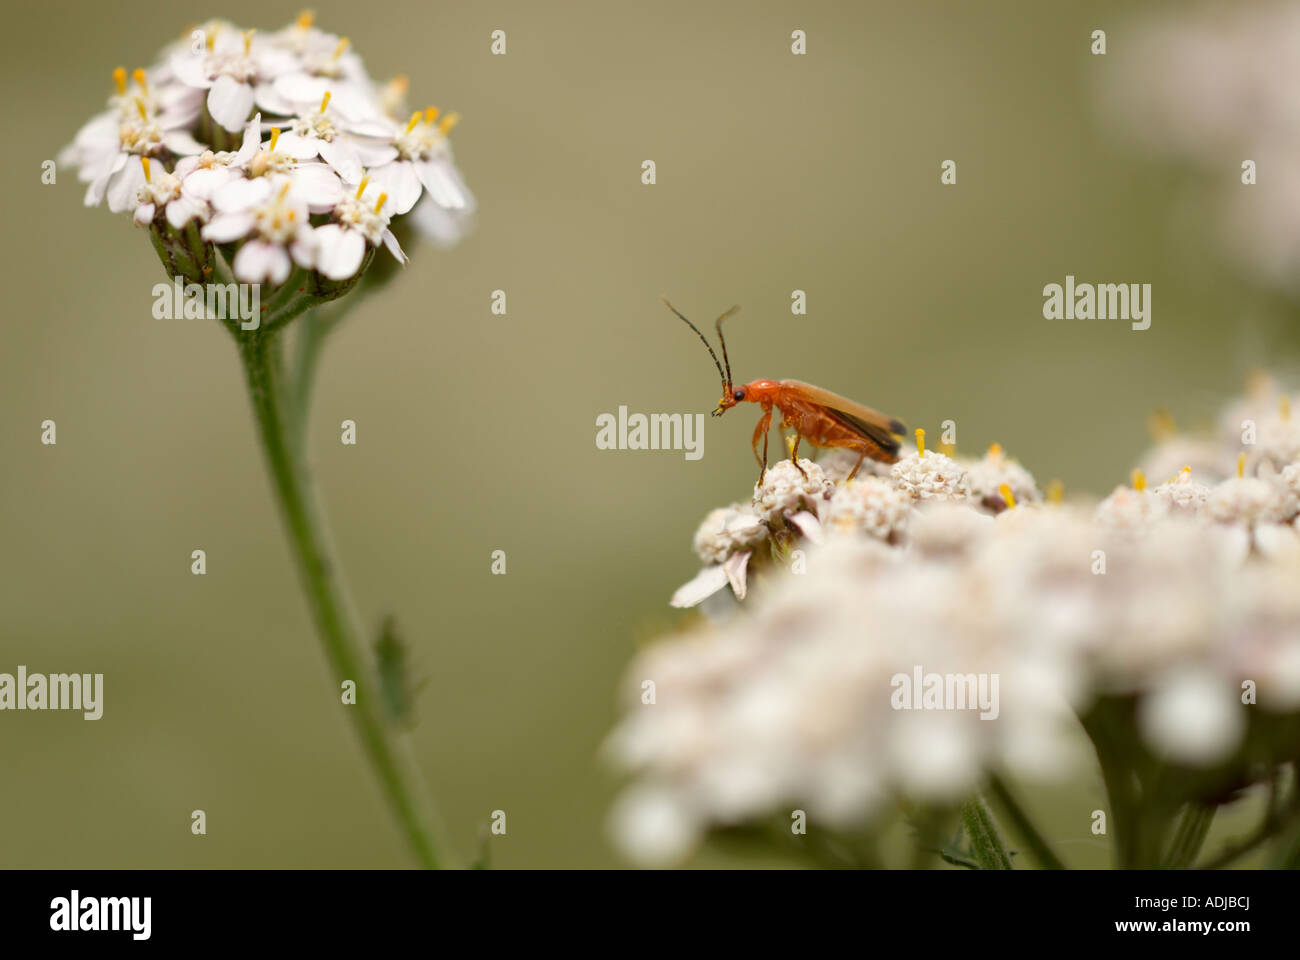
872, 424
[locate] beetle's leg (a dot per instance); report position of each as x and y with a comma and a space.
854, 472
792, 444
764, 423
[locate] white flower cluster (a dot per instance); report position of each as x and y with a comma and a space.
1174, 596
280, 142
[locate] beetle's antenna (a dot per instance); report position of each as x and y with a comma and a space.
726, 377
721, 340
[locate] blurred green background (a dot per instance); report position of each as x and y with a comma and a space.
476, 432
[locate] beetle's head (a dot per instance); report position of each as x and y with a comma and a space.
730, 395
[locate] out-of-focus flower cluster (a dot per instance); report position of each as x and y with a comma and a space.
1175, 596
1210, 84
278, 144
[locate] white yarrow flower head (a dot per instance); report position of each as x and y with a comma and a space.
727, 530
1183, 494
930, 476
1251, 500
1156, 618
989, 475
870, 506
788, 488
199, 149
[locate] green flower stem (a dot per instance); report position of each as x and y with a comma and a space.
336, 623
986, 841
1042, 850
1193, 827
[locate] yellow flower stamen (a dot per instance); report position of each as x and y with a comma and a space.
1007, 496
343, 45
431, 114
1160, 424
920, 442
948, 449
211, 38
1056, 491
415, 118
305, 19
284, 190
1241, 465
400, 84
325, 101
383, 198
449, 121
144, 162
995, 450
139, 105
1284, 407
119, 80
275, 136
1139, 481
138, 76
365, 182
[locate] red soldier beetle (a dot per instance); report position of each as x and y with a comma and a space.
822, 418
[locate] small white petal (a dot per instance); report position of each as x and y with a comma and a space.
144, 214
204, 182
736, 567
190, 69
705, 584
808, 524
272, 101
318, 186
230, 102
444, 184
395, 248
248, 147
240, 195
300, 88
339, 252
374, 154
304, 249
260, 262
226, 227
300, 148
184, 209
400, 181
342, 156
181, 143
443, 228
124, 185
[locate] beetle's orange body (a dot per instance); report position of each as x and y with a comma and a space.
822, 418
